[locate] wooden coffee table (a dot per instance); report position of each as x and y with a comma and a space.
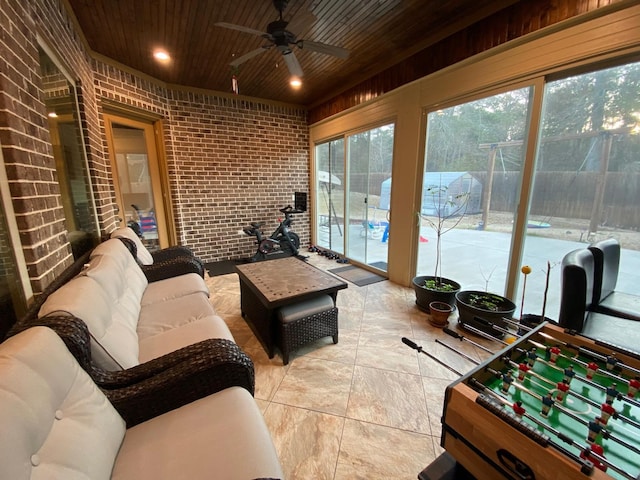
269, 285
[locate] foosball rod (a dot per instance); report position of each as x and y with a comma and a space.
557, 433
517, 324
415, 346
483, 334
462, 354
589, 352
605, 433
462, 338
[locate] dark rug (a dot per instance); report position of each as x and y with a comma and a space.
223, 267
356, 275
380, 265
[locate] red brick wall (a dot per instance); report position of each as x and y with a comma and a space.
231, 161
234, 161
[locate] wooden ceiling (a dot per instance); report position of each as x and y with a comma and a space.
378, 34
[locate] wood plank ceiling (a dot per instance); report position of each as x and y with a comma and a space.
378, 34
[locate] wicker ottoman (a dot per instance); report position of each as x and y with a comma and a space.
306, 321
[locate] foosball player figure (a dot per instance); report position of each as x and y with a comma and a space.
532, 356
597, 449
507, 379
563, 388
553, 353
523, 368
612, 393
606, 411
611, 362
569, 373
547, 403
595, 427
518, 408
634, 386
592, 368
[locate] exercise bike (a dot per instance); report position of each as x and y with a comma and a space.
281, 243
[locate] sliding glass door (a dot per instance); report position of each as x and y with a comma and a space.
473, 159
353, 195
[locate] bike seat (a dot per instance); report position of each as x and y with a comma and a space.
257, 225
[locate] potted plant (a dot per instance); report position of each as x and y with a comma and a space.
439, 313
449, 210
481, 310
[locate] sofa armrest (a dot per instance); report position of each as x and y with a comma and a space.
173, 267
171, 252
176, 379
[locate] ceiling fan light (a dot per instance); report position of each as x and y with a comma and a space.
295, 82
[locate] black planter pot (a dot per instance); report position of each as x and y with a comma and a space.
424, 296
482, 318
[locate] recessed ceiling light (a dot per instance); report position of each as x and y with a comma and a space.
52, 115
161, 56
295, 82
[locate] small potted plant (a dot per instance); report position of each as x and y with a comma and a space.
449, 211
439, 313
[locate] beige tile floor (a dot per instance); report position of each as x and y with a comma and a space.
367, 407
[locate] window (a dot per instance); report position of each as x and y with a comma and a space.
69, 154
587, 178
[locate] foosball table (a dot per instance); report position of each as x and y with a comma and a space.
550, 405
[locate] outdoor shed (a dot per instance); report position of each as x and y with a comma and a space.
453, 183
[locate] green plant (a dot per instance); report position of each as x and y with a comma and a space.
449, 212
486, 301
439, 285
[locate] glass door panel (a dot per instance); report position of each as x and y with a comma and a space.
137, 179
370, 158
330, 195
586, 180
473, 159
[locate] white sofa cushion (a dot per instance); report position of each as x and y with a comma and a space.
134, 276
174, 287
163, 316
200, 329
55, 422
144, 256
220, 436
114, 340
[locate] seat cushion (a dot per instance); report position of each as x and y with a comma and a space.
171, 340
174, 287
621, 304
55, 422
220, 436
615, 331
163, 316
143, 255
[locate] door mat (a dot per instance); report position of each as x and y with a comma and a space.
380, 265
356, 275
223, 267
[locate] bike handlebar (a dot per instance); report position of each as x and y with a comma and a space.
289, 209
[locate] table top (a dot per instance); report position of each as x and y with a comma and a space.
288, 277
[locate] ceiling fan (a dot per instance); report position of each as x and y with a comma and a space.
278, 36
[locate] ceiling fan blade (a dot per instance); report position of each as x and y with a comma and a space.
248, 56
323, 48
240, 28
292, 64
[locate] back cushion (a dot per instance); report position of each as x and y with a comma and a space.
55, 422
112, 323
144, 257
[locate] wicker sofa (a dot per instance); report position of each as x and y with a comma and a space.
132, 320
57, 423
